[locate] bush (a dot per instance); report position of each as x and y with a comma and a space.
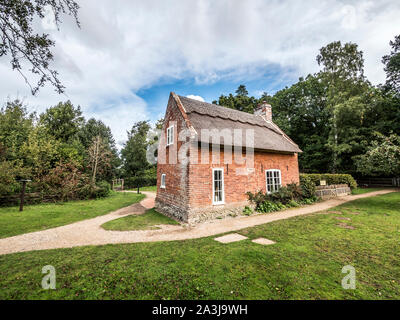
269, 206
307, 186
247, 211
288, 196
102, 190
94, 191
331, 178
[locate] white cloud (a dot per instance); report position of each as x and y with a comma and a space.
199, 98
124, 46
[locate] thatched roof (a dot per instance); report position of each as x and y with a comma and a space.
267, 135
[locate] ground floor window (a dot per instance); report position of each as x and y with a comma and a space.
162, 181
218, 186
273, 179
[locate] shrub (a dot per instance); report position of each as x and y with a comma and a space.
288, 196
10, 173
307, 186
331, 178
268, 206
247, 211
102, 190
293, 204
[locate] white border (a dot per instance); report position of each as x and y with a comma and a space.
161, 185
266, 181
223, 187
173, 135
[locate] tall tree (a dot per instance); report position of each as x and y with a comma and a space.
100, 157
63, 121
382, 157
343, 69
392, 65
301, 112
15, 126
21, 42
241, 101
134, 150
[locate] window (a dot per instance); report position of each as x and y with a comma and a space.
170, 135
273, 179
218, 186
162, 181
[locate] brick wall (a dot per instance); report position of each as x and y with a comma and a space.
173, 200
236, 186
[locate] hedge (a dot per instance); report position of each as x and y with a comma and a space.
331, 178
134, 182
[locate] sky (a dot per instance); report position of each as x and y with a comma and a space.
127, 56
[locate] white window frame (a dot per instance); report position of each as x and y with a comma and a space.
222, 189
170, 135
274, 188
162, 185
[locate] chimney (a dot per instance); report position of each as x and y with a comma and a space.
264, 109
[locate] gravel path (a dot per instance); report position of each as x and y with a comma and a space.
89, 232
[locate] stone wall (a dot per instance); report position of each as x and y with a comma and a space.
334, 190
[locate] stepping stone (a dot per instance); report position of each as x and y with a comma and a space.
345, 226
263, 241
342, 218
233, 237
354, 212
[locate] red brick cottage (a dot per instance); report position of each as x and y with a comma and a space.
209, 157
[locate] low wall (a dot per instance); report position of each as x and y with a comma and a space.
334, 190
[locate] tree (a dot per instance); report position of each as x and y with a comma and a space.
100, 157
343, 69
382, 157
87, 134
134, 150
63, 121
15, 127
241, 101
300, 111
242, 91
20, 41
392, 65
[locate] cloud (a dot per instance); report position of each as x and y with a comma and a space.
124, 46
199, 98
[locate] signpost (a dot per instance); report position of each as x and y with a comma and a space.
21, 204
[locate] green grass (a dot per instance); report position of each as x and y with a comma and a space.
365, 190
45, 216
148, 220
305, 262
150, 188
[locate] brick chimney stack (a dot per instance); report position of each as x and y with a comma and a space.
264, 109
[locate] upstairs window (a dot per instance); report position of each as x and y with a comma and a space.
162, 181
170, 135
273, 179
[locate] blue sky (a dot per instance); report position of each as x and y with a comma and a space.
156, 96
127, 56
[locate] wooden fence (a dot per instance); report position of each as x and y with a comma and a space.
30, 198
378, 182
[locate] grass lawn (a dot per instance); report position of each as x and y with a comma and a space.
151, 188
148, 220
45, 216
305, 262
365, 190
